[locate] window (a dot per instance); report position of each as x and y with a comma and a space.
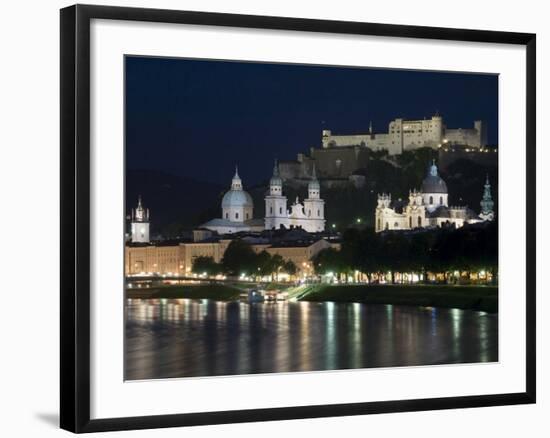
431, 199
236, 215
280, 210
270, 210
379, 225
395, 225
387, 226
419, 221
227, 215
410, 222
318, 213
247, 215
441, 200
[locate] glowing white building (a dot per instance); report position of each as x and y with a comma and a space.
309, 215
428, 207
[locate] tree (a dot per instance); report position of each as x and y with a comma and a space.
206, 265
368, 256
277, 263
395, 254
239, 258
329, 261
419, 254
263, 264
290, 268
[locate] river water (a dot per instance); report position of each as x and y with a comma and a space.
190, 338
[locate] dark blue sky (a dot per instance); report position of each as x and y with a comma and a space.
199, 118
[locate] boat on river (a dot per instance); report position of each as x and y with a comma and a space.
261, 296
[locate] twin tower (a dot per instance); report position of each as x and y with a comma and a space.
309, 215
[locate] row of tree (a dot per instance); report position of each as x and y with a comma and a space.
439, 251
240, 259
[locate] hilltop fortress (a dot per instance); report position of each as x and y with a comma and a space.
404, 135
340, 156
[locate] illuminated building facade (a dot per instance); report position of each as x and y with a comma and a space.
428, 207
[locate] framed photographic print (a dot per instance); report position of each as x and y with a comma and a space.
271, 218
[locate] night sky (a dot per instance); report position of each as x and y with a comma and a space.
198, 119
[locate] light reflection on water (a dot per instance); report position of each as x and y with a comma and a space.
189, 338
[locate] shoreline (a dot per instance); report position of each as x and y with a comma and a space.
478, 298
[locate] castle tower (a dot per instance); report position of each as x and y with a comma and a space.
487, 204
481, 129
314, 206
276, 213
140, 223
437, 130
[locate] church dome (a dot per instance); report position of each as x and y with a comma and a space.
433, 183
236, 198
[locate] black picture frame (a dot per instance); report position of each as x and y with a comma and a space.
75, 217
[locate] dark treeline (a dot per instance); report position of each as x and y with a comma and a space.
442, 251
240, 259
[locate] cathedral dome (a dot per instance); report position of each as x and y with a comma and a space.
236, 198
433, 183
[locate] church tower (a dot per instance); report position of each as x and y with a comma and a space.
487, 204
415, 210
314, 206
276, 213
140, 223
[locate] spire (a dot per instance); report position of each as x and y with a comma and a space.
433, 168
140, 214
236, 183
370, 127
487, 190
487, 203
276, 182
313, 187
276, 168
